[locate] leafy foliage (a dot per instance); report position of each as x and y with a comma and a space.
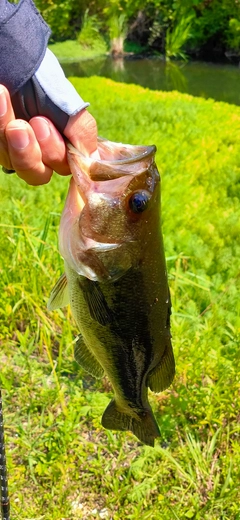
233, 36
117, 32
61, 462
177, 37
58, 14
90, 36
212, 21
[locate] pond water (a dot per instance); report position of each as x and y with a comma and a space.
220, 82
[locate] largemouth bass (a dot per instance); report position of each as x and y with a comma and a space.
116, 281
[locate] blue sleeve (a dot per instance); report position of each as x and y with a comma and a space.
23, 41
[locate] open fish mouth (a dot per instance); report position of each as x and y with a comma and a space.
116, 159
126, 153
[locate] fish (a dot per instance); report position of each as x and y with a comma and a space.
115, 279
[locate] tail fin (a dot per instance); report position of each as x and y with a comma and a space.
145, 426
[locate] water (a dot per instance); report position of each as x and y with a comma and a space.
220, 82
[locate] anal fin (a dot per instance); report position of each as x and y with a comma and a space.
86, 359
162, 375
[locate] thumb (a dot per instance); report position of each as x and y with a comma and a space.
81, 130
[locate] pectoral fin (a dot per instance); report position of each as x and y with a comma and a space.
59, 296
162, 375
95, 299
85, 358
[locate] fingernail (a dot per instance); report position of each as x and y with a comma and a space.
18, 137
41, 128
3, 102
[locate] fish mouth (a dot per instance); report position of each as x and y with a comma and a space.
124, 160
127, 153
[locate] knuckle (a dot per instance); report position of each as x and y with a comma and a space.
4, 158
35, 178
23, 161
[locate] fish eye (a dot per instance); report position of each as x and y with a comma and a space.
139, 200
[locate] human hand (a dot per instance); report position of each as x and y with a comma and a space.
36, 149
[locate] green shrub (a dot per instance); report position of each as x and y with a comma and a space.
149, 21
58, 15
90, 36
212, 22
233, 36
177, 37
117, 28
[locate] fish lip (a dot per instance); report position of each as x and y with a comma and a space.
149, 152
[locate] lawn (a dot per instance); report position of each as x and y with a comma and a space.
62, 464
72, 50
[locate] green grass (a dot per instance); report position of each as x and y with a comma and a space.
72, 50
62, 464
